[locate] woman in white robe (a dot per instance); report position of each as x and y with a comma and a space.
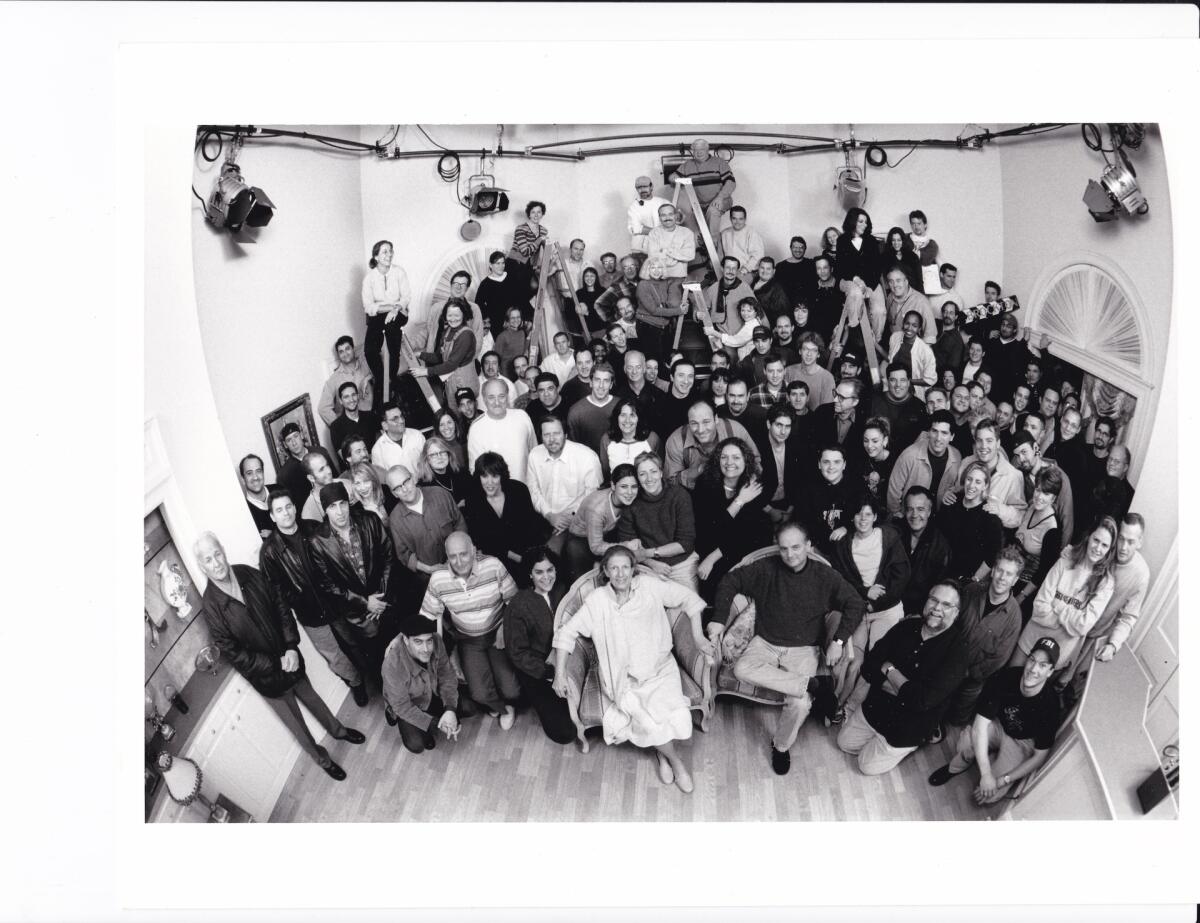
626, 619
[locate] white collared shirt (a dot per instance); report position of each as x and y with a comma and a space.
558, 485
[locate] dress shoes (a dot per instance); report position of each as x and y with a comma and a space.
351, 736
781, 761
334, 771
361, 696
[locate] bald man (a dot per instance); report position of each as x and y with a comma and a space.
473, 591
714, 184
255, 631
643, 214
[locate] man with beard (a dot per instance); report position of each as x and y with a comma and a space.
912, 672
904, 410
796, 275
1027, 458
250, 473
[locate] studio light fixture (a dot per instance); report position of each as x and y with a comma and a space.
484, 197
233, 201
1118, 190
851, 183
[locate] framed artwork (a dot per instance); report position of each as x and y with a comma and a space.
298, 411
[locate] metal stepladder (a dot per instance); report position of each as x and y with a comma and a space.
552, 265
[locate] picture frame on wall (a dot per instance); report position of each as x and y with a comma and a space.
299, 411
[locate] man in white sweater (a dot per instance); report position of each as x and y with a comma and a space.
671, 242
743, 242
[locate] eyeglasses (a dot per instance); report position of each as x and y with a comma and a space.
940, 604
439, 453
403, 484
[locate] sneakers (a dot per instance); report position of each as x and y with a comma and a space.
507, 719
781, 761
942, 776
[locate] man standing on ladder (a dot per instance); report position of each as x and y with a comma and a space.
714, 184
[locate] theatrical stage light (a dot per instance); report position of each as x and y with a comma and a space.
1118, 188
488, 199
233, 202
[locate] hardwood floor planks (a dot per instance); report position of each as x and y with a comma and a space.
519, 775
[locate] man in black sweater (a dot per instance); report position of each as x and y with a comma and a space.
792, 596
913, 672
827, 503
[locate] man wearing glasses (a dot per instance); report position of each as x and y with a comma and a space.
643, 215
913, 672
420, 523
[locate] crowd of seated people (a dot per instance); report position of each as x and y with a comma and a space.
932, 481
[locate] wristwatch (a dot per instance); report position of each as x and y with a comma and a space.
888, 669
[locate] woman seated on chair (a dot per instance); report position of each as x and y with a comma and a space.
626, 618
872, 559
730, 505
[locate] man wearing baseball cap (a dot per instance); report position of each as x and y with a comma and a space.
420, 685
751, 368
1015, 722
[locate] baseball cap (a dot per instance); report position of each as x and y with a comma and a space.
761, 333
852, 358
460, 393
1050, 646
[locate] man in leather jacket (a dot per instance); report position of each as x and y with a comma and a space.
256, 633
285, 562
353, 557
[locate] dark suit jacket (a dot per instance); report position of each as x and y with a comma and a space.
292, 574
796, 467
255, 636
824, 431
345, 593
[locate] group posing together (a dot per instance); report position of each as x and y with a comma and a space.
952, 550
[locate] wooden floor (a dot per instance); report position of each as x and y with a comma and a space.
520, 775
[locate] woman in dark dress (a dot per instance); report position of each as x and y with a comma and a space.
585, 297
729, 503
858, 267
974, 534
501, 518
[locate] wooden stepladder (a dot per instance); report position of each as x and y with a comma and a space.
411, 360
552, 265
868, 339
683, 184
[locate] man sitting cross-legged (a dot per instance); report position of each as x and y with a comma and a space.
792, 596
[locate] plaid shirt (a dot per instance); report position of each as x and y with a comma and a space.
474, 603
760, 396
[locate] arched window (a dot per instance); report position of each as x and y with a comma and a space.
1090, 313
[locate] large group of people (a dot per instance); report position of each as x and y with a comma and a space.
954, 542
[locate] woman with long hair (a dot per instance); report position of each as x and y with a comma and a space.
500, 516
858, 267
385, 298
663, 523
717, 386
452, 365
629, 435
736, 332
829, 244
872, 558
876, 462
730, 510
368, 492
626, 618
1039, 536
974, 534
1073, 595
898, 251
585, 302
448, 425
437, 467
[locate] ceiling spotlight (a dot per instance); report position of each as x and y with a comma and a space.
483, 196
233, 202
851, 187
1117, 191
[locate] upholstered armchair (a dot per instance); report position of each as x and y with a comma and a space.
723, 681
586, 700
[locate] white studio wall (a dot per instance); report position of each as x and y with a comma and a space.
407, 202
273, 300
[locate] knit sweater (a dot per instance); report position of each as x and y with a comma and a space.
661, 520
790, 606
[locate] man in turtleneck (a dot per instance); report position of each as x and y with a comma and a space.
255, 632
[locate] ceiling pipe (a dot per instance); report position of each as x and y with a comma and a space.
676, 133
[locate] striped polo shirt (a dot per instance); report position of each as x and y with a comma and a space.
475, 603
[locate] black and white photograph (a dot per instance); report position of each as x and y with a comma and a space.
601, 460
713, 472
